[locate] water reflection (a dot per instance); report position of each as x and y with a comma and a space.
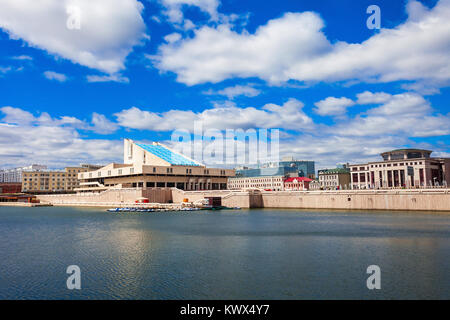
258, 254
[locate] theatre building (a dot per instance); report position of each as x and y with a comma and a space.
154, 166
402, 168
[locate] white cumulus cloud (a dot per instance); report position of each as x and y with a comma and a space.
236, 91
51, 75
289, 116
108, 29
294, 47
174, 8
56, 142
332, 106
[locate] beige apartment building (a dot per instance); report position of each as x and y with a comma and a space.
334, 179
43, 181
154, 166
402, 168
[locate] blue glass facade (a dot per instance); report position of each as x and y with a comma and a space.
282, 168
167, 155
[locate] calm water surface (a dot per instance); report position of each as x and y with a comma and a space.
247, 254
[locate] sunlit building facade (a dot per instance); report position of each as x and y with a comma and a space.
154, 166
334, 179
45, 181
402, 168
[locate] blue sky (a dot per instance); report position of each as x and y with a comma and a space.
338, 91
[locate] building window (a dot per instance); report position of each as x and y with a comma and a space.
362, 177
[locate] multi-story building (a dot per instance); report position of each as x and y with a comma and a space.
52, 180
333, 179
275, 183
15, 174
402, 168
287, 167
154, 166
304, 168
269, 183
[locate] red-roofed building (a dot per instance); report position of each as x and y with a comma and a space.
297, 184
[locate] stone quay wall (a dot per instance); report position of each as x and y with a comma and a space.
415, 200
423, 200
418, 200
109, 198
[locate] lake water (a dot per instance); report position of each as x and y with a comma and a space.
246, 254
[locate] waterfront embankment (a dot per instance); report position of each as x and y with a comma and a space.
24, 204
413, 200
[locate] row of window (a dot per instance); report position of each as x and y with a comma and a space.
384, 165
168, 170
328, 177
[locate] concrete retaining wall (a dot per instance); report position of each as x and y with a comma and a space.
229, 198
109, 198
419, 200
423, 200
377, 200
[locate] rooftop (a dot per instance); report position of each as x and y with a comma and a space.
335, 170
168, 155
408, 150
298, 179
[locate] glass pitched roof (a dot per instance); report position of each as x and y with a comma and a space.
167, 155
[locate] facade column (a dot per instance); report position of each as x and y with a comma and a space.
367, 179
358, 182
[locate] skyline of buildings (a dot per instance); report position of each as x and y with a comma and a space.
158, 166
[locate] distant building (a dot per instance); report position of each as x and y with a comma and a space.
314, 185
91, 167
333, 179
15, 174
287, 167
52, 180
297, 184
402, 168
154, 166
274, 183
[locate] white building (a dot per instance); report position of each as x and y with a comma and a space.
154, 166
333, 179
15, 174
402, 168
275, 183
